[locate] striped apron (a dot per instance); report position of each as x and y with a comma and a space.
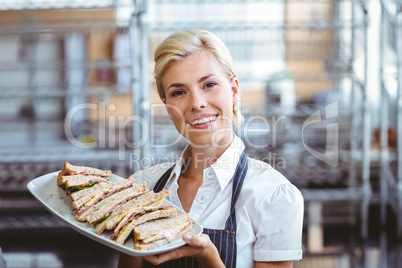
224, 240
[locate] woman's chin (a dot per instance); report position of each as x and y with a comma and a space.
219, 140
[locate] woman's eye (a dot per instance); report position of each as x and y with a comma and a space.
177, 93
210, 85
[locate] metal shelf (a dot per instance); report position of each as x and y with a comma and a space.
58, 154
198, 2
168, 26
350, 193
61, 64
59, 4
57, 26
391, 111
30, 222
390, 11
23, 92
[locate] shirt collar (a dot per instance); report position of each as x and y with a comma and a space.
179, 163
224, 167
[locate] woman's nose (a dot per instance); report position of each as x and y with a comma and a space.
198, 101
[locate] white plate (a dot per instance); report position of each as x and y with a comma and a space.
54, 199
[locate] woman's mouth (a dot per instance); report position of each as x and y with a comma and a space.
203, 120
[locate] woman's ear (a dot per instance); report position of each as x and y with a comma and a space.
235, 89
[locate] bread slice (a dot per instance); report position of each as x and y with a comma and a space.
173, 235
128, 228
69, 169
125, 211
79, 180
107, 205
98, 193
156, 227
85, 193
100, 227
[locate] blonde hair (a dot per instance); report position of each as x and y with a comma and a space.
180, 45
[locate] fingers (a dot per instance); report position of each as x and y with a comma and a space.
195, 245
195, 241
164, 257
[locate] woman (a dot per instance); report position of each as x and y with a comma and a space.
251, 214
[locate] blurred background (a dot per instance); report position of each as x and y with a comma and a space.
321, 95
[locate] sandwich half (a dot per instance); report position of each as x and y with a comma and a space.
99, 192
106, 206
79, 182
161, 231
69, 170
140, 216
125, 211
119, 217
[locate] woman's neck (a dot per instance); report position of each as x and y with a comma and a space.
204, 156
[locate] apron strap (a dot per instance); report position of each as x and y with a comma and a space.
161, 183
238, 179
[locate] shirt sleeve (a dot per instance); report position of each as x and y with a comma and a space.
278, 224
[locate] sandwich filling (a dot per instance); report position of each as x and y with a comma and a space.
161, 231
135, 215
78, 182
90, 203
107, 205
169, 235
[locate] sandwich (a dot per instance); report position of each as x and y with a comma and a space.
122, 207
119, 214
94, 194
79, 182
140, 216
69, 170
162, 231
104, 207
84, 193
131, 206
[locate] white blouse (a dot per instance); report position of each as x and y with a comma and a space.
269, 210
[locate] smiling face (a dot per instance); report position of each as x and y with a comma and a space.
199, 100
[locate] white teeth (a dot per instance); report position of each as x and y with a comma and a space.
203, 120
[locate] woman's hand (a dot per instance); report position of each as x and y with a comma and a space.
199, 247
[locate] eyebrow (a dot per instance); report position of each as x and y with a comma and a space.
205, 78
199, 81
